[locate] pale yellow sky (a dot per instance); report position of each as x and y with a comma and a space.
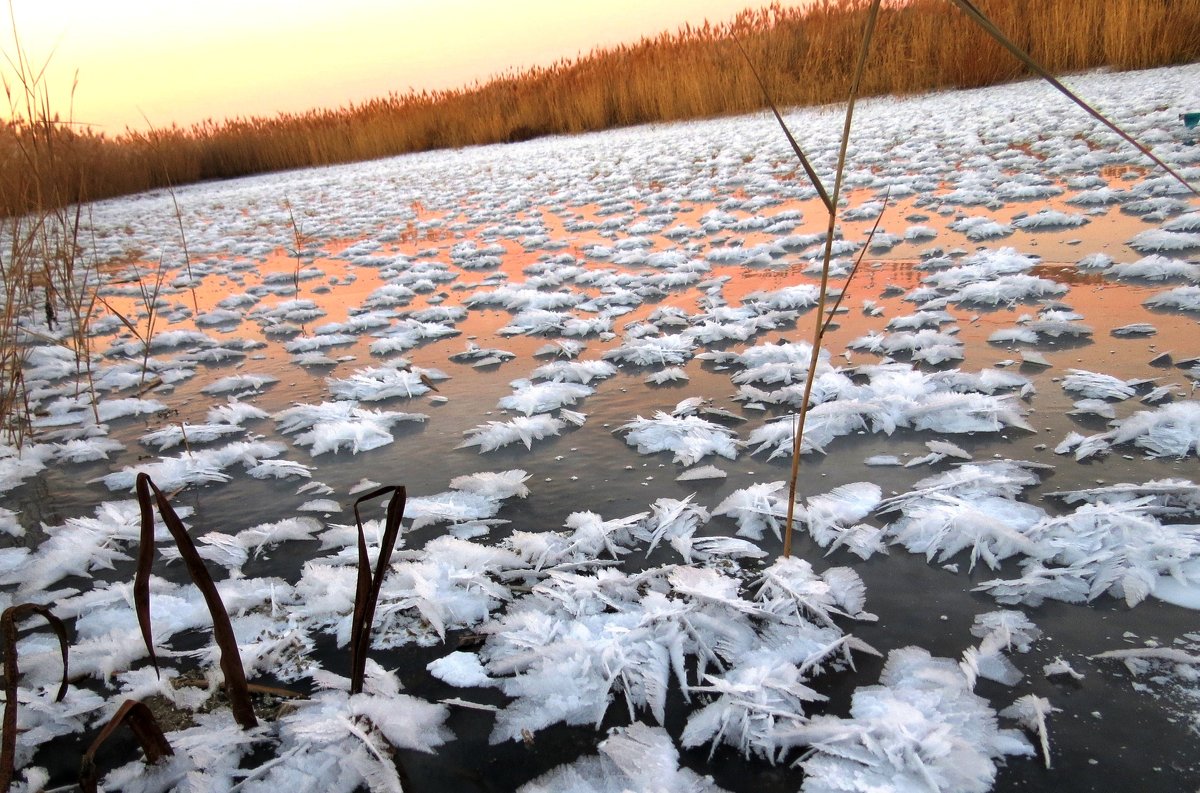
181, 61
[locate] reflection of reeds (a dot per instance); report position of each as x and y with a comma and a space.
808, 54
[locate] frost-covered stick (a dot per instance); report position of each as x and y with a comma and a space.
231, 659
362, 736
145, 728
367, 592
990, 28
8, 630
1031, 711
183, 431
814, 359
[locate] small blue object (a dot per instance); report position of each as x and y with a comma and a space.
1190, 120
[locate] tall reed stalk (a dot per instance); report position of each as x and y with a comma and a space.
831, 227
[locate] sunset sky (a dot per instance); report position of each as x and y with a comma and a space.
172, 62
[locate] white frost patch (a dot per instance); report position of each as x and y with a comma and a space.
1050, 219
377, 383
1172, 430
1157, 268
459, 669
201, 466
526, 429
632, 758
1160, 240
689, 438
756, 508
1120, 548
530, 398
331, 426
240, 383
701, 472
921, 728
1181, 298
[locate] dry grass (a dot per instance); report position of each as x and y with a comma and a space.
808, 55
46, 281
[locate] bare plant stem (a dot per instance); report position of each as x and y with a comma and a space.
804, 161
8, 638
819, 329
298, 245
187, 257
150, 497
145, 728
149, 297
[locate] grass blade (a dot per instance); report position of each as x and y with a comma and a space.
808, 169
140, 720
231, 660
187, 257
366, 595
857, 262
819, 330
990, 28
8, 632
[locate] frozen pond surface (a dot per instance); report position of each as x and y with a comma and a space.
599, 316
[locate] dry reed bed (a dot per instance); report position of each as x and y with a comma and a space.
807, 54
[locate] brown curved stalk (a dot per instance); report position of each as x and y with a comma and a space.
231, 660
8, 635
140, 720
366, 595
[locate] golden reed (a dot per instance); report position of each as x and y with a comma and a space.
807, 55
